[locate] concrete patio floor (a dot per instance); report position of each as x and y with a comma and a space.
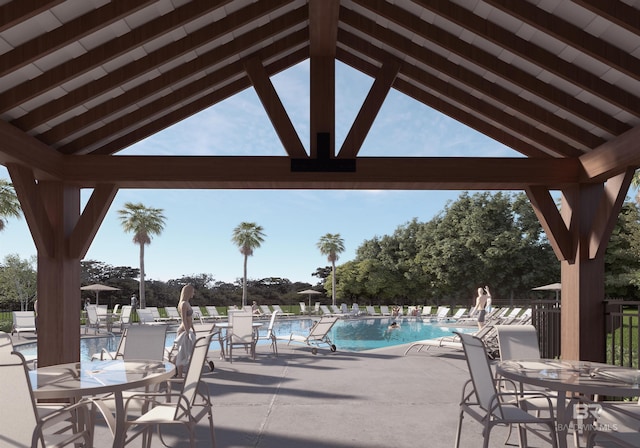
370, 399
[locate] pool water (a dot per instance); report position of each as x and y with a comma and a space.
347, 334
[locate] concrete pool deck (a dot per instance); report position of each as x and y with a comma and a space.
377, 398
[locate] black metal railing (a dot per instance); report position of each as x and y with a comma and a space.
546, 319
623, 332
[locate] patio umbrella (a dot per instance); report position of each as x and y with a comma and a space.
310, 292
97, 287
557, 287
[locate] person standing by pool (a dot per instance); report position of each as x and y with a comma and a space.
185, 335
484, 295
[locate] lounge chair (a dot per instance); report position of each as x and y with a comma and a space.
335, 310
124, 318
95, 320
23, 321
266, 311
487, 332
319, 334
213, 313
481, 400
457, 315
303, 308
325, 310
442, 313
186, 407
371, 311
280, 311
24, 424
146, 317
426, 312
384, 310
156, 314
173, 314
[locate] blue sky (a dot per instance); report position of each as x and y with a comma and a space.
197, 236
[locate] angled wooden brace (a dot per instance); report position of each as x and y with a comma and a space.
549, 216
92, 216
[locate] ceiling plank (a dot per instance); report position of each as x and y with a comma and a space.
274, 108
178, 96
18, 11
407, 173
106, 52
612, 157
369, 110
323, 32
152, 61
571, 35
214, 57
181, 113
534, 54
69, 32
618, 12
508, 72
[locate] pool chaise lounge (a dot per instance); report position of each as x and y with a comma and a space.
487, 333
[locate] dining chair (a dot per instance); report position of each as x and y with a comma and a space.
241, 333
271, 335
482, 401
186, 407
24, 424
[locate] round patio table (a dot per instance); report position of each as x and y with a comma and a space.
575, 377
76, 380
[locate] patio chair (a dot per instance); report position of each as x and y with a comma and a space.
124, 318
23, 321
319, 334
186, 407
384, 310
23, 423
481, 400
452, 341
426, 312
270, 335
173, 314
336, 310
303, 308
146, 317
371, 311
94, 319
242, 334
266, 311
442, 313
325, 310
138, 342
212, 313
616, 425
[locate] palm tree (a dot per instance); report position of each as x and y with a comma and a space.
331, 245
9, 203
143, 222
247, 236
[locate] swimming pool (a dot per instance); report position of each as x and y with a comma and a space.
347, 334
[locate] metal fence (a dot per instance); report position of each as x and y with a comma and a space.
546, 319
623, 332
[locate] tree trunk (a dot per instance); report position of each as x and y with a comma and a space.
142, 302
333, 282
244, 283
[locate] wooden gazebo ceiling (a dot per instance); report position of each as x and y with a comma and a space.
557, 81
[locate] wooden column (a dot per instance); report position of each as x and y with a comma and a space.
62, 237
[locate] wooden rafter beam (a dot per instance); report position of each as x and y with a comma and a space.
572, 35
612, 157
615, 192
33, 208
18, 147
534, 54
69, 32
410, 173
215, 57
369, 110
90, 220
568, 132
552, 222
619, 13
183, 95
19, 11
106, 52
274, 108
492, 64
177, 115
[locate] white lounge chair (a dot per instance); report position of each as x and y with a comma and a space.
173, 314
335, 310
124, 318
303, 308
281, 312
371, 311
325, 310
266, 311
186, 407
453, 341
95, 320
213, 313
426, 312
319, 334
146, 317
384, 310
481, 401
24, 321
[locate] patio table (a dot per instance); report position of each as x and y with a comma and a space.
76, 380
569, 377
